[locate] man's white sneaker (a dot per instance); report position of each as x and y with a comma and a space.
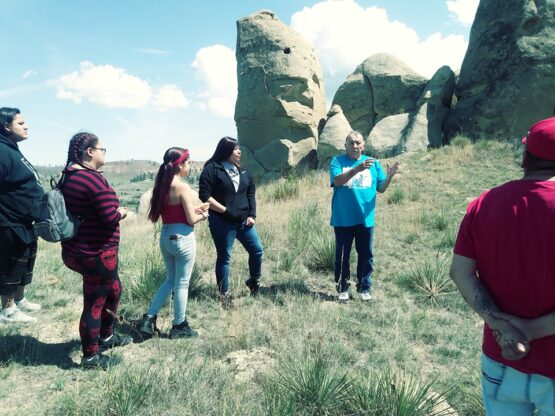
365, 296
343, 296
13, 315
25, 306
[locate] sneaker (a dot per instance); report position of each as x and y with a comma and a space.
99, 361
183, 330
25, 306
147, 325
365, 296
343, 296
116, 340
253, 286
226, 301
15, 316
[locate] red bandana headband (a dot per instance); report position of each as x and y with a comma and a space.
184, 156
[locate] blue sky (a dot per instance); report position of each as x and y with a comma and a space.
146, 75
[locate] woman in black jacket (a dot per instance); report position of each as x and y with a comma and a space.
231, 193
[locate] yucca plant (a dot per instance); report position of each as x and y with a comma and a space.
286, 189
313, 385
431, 278
396, 196
321, 254
397, 393
143, 284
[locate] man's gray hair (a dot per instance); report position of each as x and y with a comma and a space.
354, 135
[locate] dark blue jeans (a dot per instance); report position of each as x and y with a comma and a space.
365, 265
224, 235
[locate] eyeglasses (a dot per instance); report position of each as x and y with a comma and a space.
100, 148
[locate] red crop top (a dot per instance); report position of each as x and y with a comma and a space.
174, 214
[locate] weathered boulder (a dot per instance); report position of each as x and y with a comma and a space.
380, 86
280, 102
419, 129
332, 138
354, 97
507, 77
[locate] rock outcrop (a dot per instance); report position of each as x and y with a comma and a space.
332, 139
507, 77
419, 129
380, 86
280, 103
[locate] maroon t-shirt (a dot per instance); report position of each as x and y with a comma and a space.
89, 197
510, 232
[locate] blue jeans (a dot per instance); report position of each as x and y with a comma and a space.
224, 235
508, 392
365, 265
179, 247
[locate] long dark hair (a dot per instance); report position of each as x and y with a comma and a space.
224, 149
7, 114
78, 146
163, 181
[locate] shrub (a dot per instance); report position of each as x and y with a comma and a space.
437, 220
397, 393
302, 225
431, 279
312, 385
321, 254
460, 141
396, 196
286, 189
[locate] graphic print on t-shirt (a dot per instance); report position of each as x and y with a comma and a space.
360, 180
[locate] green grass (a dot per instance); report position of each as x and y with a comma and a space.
417, 334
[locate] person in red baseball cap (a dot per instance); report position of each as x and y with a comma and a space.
504, 266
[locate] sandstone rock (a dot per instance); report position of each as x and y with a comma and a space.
419, 129
280, 103
380, 86
332, 139
396, 88
508, 74
354, 97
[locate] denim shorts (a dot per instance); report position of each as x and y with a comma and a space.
508, 392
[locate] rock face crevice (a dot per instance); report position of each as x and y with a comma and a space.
280, 101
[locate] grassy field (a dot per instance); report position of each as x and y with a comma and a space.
293, 349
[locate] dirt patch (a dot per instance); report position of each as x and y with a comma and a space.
247, 364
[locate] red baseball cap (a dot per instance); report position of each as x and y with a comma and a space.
540, 140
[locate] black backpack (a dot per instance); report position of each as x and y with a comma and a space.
55, 222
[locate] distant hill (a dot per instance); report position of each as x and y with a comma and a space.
120, 171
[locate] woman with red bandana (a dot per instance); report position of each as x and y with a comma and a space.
172, 200
93, 252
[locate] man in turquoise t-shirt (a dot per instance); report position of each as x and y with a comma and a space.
355, 178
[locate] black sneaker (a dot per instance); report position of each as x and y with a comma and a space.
183, 330
147, 325
116, 340
99, 361
253, 286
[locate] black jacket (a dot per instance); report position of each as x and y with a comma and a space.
216, 183
20, 191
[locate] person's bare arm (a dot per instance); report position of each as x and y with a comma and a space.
391, 172
215, 205
537, 328
512, 340
186, 197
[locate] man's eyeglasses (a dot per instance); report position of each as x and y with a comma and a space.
100, 148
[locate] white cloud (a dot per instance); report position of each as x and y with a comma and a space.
170, 96
464, 10
105, 85
216, 68
344, 34
28, 73
113, 87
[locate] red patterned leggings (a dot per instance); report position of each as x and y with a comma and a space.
101, 293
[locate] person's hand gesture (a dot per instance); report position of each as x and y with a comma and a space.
250, 222
123, 212
365, 164
392, 170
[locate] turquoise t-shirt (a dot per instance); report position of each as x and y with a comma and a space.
354, 203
